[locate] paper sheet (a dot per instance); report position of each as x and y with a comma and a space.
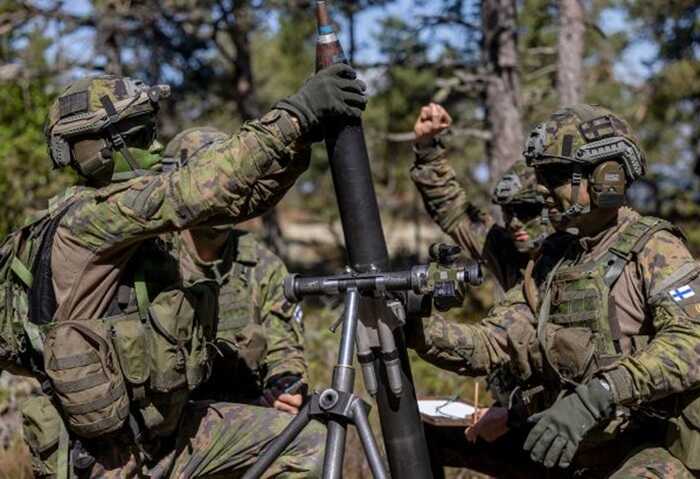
445, 408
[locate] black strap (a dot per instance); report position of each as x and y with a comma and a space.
42, 299
116, 138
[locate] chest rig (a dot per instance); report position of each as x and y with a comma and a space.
240, 335
140, 361
577, 298
236, 306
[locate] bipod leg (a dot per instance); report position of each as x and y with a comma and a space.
374, 457
343, 382
280, 443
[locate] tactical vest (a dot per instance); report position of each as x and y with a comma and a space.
240, 338
141, 361
138, 364
577, 297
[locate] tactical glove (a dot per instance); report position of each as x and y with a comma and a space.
332, 93
560, 429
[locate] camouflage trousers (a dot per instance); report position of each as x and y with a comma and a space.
218, 440
625, 458
653, 463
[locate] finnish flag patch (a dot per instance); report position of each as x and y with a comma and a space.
682, 293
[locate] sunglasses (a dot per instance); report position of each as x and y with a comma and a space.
523, 211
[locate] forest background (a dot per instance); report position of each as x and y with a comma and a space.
498, 66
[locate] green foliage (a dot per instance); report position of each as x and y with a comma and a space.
26, 179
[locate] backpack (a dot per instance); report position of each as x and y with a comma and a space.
22, 331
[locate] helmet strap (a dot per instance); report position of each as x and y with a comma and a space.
115, 138
576, 209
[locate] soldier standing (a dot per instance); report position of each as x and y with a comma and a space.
128, 342
603, 335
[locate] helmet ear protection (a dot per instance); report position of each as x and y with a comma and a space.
96, 158
607, 185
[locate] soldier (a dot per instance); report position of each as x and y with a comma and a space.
259, 334
130, 339
603, 335
504, 250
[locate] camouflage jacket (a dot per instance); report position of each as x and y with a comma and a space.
259, 333
654, 296
473, 229
234, 181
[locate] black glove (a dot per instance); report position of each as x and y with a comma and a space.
559, 430
332, 93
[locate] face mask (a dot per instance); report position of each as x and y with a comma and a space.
143, 158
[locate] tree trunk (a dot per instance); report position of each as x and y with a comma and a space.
570, 68
502, 95
241, 30
248, 105
108, 43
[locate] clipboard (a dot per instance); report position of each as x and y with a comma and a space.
446, 412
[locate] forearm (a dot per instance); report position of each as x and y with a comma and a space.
285, 353
446, 201
235, 181
443, 197
468, 350
667, 365
281, 320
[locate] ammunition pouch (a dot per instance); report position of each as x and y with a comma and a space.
145, 363
87, 381
41, 423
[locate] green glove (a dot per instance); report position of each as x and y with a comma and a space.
560, 429
332, 93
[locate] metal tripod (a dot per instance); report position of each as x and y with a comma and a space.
337, 406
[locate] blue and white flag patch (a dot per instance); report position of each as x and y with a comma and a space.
682, 293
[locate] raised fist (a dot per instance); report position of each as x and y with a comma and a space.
433, 120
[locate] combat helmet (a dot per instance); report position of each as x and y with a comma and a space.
520, 199
99, 121
188, 144
586, 140
517, 185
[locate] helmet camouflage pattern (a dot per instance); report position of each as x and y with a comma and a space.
586, 135
517, 185
119, 112
188, 144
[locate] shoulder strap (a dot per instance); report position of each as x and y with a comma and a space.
141, 291
627, 246
631, 242
42, 299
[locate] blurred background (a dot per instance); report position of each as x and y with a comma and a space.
498, 66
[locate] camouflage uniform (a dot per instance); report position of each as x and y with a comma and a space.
621, 307
259, 333
215, 440
97, 243
472, 228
